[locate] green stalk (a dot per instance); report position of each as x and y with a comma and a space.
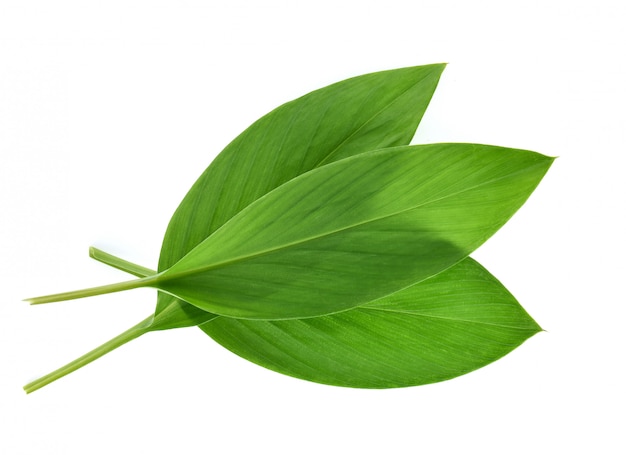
169, 317
123, 338
99, 290
119, 263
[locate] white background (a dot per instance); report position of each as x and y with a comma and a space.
110, 110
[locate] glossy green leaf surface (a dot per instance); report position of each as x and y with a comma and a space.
443, 327
353, 116
355, 230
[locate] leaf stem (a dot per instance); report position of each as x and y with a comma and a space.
175, 314
119, 263
99, 290
121, 339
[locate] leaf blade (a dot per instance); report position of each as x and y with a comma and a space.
386, 110
356, 230
280, 151
446, 326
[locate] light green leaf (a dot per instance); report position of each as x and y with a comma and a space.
446, 326
353, 116
355, 230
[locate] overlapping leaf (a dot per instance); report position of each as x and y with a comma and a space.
355, 230
446, 326
344, 119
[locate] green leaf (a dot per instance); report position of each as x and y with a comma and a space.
344, 347
443, 327
347, 118
353, 116
352, 231
446, 326
256, 233
355, 230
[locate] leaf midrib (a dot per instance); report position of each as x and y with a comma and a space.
424, 315
365, 308
369, 120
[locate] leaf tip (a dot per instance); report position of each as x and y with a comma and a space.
547, 158
439, 66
